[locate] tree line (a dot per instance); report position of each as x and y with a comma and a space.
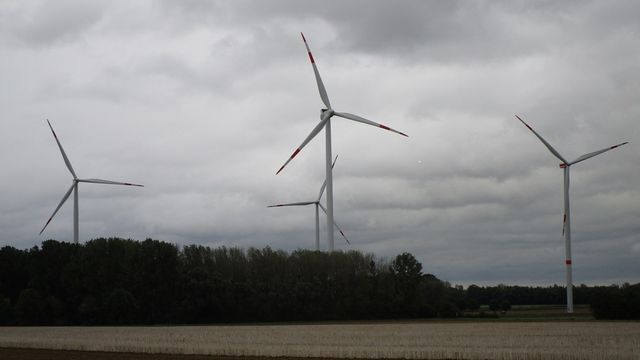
120, 281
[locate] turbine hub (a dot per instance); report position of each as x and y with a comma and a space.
322, 111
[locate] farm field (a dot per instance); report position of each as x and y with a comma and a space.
540, 313
415, 340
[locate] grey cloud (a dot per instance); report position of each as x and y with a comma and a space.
47, 23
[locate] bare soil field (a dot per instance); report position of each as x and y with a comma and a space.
45, 354
426, 340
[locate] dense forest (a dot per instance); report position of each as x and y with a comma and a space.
118, 281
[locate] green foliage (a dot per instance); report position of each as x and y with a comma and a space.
449, 310
617, 303
406, 267
6, 311
89, 311
30, 308
120, 307
494, 305
504, 305
118, 281
607, 302
472, 304
14, 272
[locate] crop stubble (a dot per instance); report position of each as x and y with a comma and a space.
481, 340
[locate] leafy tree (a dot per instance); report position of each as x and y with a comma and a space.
89, 311
504, 305
617, 303
120, 307
407, 272
406, 267
449, 310
122, 281
473, 305
494, 305
6, 311
14, 272
30, 308
434, 294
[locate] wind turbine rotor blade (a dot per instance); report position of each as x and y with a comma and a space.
369, 122
321, 89
294, 204
64, 155
107, 182
324, 184
553, 151
592, 154
336, 225
313, 133
64, 198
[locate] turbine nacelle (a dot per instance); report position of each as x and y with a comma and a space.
563, 165
323, 111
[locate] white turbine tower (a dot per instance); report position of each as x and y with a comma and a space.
325, 121
74, 188
317, 205
566, 226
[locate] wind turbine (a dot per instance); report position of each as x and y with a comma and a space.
566, 222
325, 121
317, 205
74, 188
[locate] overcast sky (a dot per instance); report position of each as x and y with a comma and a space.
203, 101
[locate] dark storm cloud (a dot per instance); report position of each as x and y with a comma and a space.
440, 31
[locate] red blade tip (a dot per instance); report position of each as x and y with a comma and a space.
388, 128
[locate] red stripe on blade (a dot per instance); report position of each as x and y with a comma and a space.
295, 153
384, 127
568, 262
311, 58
